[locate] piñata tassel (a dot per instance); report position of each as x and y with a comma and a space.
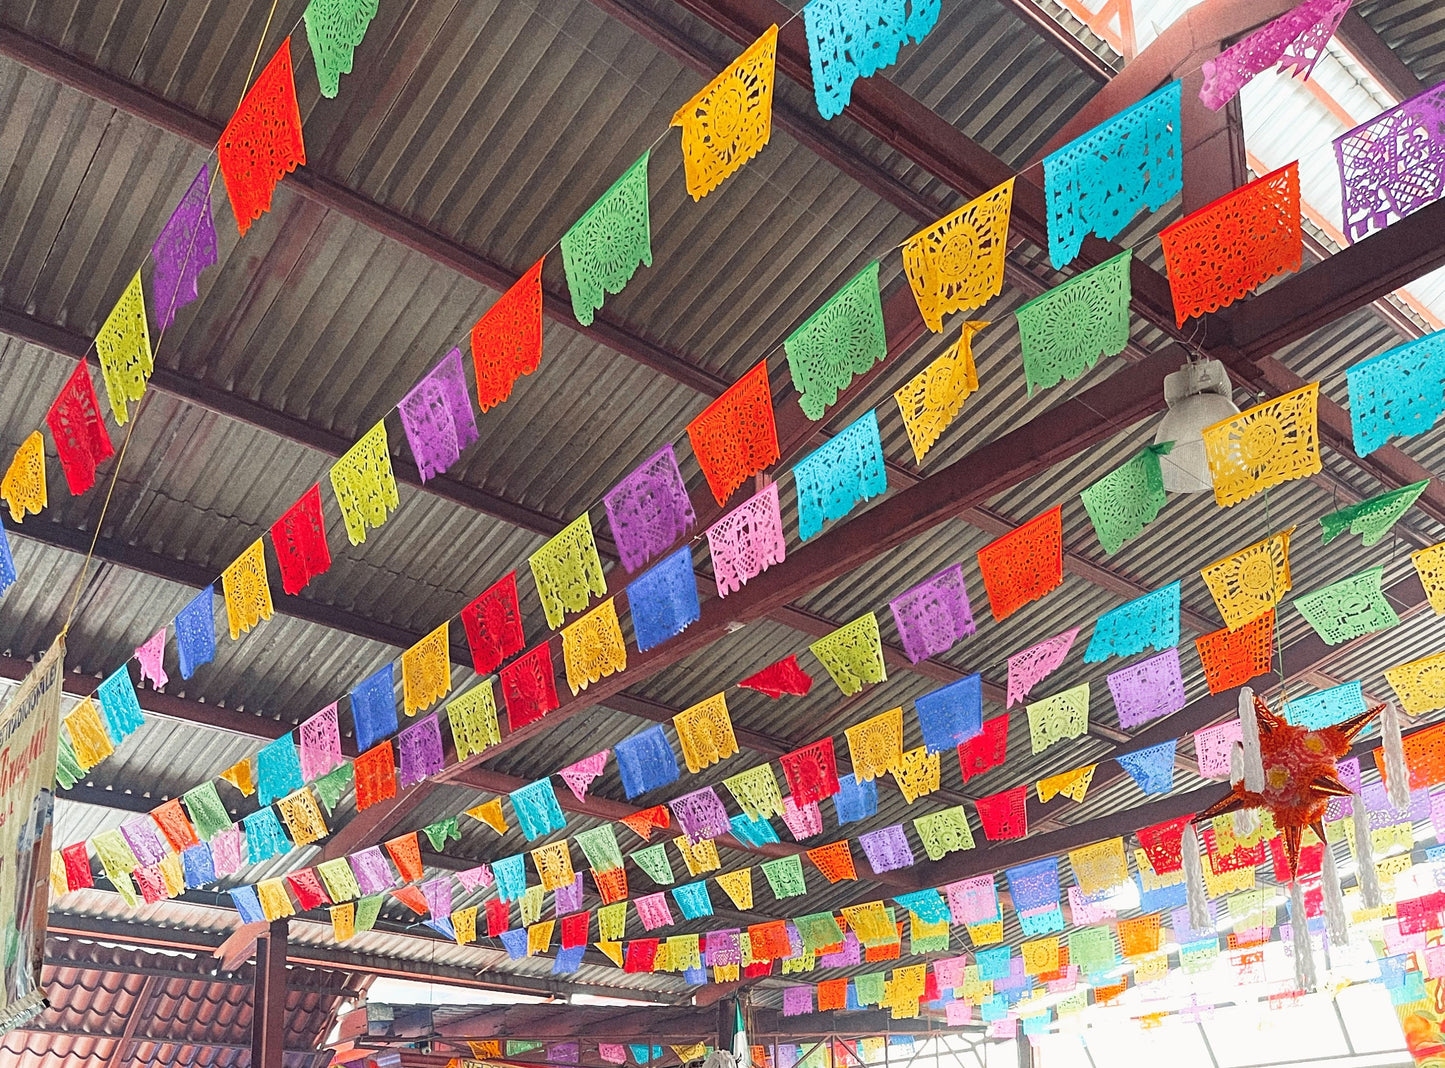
1304, 957
1245, 820
1195, 894
1253, 762
1336, 923
1365, 873
1397, 772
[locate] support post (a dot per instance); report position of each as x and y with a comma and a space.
268, 1002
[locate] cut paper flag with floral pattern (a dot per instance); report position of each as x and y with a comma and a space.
931, 400
918, 774
1004, 815
507, 339
933, 615
151, 657
1231, 247
124, 348
320, 744
875, 746
420, 750
426, 671
119, 704
1071, 784
1381, 162
593, 648
579, 776
1058, 718
730, 120
1036, 663
1349, 608
493, 623
952, 715
700, 815
646, 762
23, 486
529, 687
835, 861
248, 594
649, 510
957, 263
1100, 181
1325, 708
1212, 746
1267, 445
568, 571
1430, 566
1066, 330
473, 720
887, 849
747, 541
185, 247
1373, 518
334, 29
1420, 684
78, 430
944, 832
1400, 392
781, 678
375, 774
364, 485
436, 415
812, 772
1129, 498
1147, 622
848, 40
839, 475
756, 792
373, 707
604, 248
1250, 582
278, 770
985, 752
1148, 690
538, 812
843, 338
705, 733
663, 600
1024, 564
1232, 658
735, 436
853, 654
1296, 41
262, 141
299, 538
1152, 769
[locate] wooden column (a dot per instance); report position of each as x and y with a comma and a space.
268, 1001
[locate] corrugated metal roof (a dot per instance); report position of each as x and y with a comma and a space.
496, 124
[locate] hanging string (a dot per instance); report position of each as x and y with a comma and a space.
81, 578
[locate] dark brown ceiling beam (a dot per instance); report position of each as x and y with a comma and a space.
1352, 278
